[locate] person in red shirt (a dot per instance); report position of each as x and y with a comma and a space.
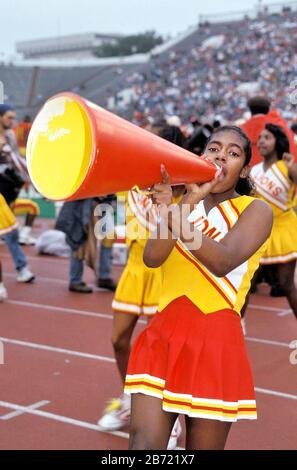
262, 115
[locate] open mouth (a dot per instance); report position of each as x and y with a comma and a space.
222, 170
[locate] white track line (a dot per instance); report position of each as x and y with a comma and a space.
283, 313
54, 308
103, 358
93, 427
44, 347
46, 259
87, 313
99, 314
65, 310
98, 289
56, 281
56, 350
61, 419
277, 394
267, 341
279, 311
268, 309
34, 406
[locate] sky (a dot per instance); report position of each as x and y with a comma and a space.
34, 19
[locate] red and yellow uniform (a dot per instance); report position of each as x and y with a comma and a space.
192, 355
139, 288
275, 187
8, 222
24, 207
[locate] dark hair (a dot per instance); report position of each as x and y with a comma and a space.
197, 140
294, 127
216, 123
259, 105
172, 134
282, 143
244, 186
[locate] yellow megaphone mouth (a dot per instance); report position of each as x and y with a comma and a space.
59, 149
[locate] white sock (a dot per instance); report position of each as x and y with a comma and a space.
25, 231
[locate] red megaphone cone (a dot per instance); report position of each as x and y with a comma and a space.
77, 150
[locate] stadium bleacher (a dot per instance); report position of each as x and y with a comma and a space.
190, 77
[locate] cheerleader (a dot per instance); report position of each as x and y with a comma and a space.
275, 180
137, 294
191, 358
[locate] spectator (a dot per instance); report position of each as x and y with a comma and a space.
74, 220
14, 175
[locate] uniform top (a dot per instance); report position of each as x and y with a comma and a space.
183, 274
274, 186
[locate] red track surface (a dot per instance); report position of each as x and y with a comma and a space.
58, 352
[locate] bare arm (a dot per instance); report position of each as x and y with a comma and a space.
158, 248
288, 160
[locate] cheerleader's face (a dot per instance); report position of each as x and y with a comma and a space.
226, 149
266, 143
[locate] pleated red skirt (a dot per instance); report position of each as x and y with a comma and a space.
195, 363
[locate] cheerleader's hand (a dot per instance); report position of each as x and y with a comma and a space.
288, 159
197, 192
161, 193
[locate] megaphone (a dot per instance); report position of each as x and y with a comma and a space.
78, 150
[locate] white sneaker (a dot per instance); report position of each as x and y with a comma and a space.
3, 293
175, 433
25, 237
116, 414
25, 275
27, 240
243, 325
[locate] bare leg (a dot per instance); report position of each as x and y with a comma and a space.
206, 434
122, 330
286, 273
150, 425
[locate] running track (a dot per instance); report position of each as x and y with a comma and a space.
59, 369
